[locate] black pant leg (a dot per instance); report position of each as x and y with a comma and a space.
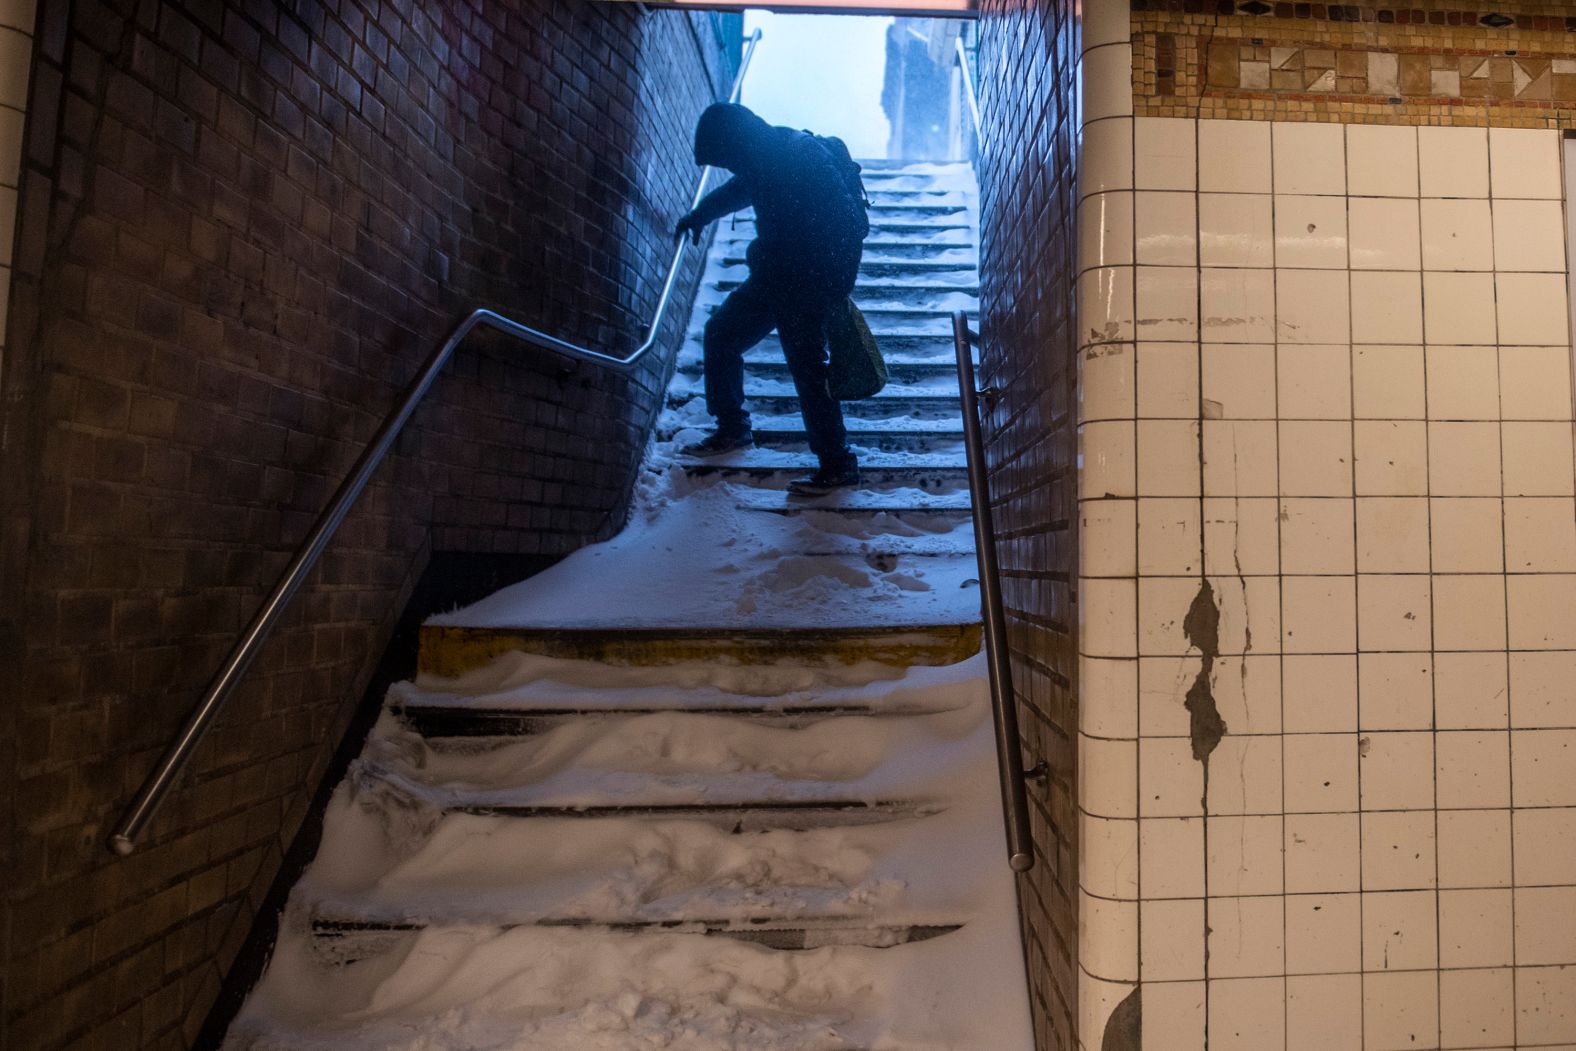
801, 324
743, 320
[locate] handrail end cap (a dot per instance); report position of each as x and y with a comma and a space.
1021, 862
121, 845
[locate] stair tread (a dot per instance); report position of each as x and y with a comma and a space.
862, 501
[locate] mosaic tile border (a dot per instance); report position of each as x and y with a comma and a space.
1213, 66
1357, 13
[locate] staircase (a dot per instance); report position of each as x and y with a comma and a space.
724, 782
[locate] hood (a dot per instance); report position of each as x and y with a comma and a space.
728, 135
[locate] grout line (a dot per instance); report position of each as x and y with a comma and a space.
1357, 688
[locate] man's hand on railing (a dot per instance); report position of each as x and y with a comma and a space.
691, 224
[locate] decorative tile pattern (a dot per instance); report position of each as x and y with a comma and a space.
1430, 64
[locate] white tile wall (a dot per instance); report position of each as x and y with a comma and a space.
1343, 399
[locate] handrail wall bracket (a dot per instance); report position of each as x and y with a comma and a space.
123, 838
1004, 708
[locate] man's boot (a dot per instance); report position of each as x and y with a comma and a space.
841, 473
720, 441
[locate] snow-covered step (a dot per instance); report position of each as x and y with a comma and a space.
897, 505
884, 268
352, 940
884, 290
865, 440
455, 644
436, 721
949, 231
933, 347
908, 320
875, 467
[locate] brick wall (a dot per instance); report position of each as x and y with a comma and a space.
1027, 59
242, 225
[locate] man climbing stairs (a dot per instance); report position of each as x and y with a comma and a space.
724, 782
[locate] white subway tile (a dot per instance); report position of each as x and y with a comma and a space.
1239, 378
1241, 536
1309, 158
1233, 156
1256, 1011
1463, 382
1322, 853
1392, 534
1108, 617
1391, 457
1105, 305
1543, 845
1472, 769
1475, 928
1387, 383
1320, 693
1400, 931
1524, 162
1387, 307
1246, 937
1458, 308
1463, 459
1398, 850
1311, 232
1317, 536
1106, 161
1166, 227
1398, 1006
1106, 76
1255, 783
1396, 770
1313, 306
1384, 234
1106, 382
1541, 765
1324, 933
1397, 691
1166, 303
1173, 1016
1173, 940
1537, 458
1545, 926
1107, 777
1163, 684
1238, 305
1240, 458
1315, 458
1324, 1011
1168, 458
1108, 938
1105, 230
1165, 153
1543, 689
1244, 854
1545, 1005
1315, 381
1457, 235
1477, 1008
1106, 539
1321, 773
1535, 383
1474, 848
16, 65
1470, 691
1171, 857
1381, 161
1163, 606
1467, 535
1469, 612
1107, 697
1170, 539
1104, 22
1453, 162
1107, 460
1173, 779
1318, 614
1235, 229
1168, 381
1532, 309
1529, 235
1108, 857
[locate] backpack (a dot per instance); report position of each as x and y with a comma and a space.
849, 169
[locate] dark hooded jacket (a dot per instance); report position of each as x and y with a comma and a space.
809, 223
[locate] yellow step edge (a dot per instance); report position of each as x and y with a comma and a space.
448, 652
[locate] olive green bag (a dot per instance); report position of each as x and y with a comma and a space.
857, 369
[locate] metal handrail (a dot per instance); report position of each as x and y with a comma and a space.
1004, 710
123, 840
968, 86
